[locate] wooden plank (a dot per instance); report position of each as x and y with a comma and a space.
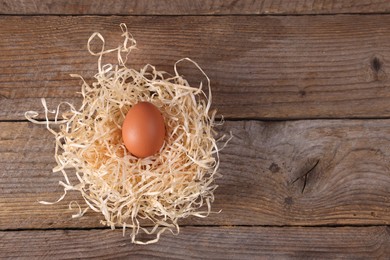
204, 243
187, 7
315, 172
275, 67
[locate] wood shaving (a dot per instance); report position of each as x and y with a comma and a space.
150, 194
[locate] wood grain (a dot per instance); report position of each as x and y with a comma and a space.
188, 7
306, 172
304, 189
261, 67
204, 243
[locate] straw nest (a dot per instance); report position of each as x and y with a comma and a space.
141, 194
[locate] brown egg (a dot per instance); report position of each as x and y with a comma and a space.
143, 130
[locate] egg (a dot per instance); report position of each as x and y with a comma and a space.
143, 130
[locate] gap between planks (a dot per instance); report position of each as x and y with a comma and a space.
203, 226
194, 15
232, 119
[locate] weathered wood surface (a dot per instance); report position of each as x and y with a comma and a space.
188, 7
306, 189
280, 67
204, 243
308, 172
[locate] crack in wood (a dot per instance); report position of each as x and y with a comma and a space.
305, 176
3, 96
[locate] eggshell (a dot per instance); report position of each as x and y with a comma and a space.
143, 130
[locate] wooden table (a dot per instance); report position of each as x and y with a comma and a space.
304, 87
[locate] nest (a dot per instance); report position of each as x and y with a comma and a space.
141, 194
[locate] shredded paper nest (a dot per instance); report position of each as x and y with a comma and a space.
141, 194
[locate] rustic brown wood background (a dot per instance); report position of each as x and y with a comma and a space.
304, 87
